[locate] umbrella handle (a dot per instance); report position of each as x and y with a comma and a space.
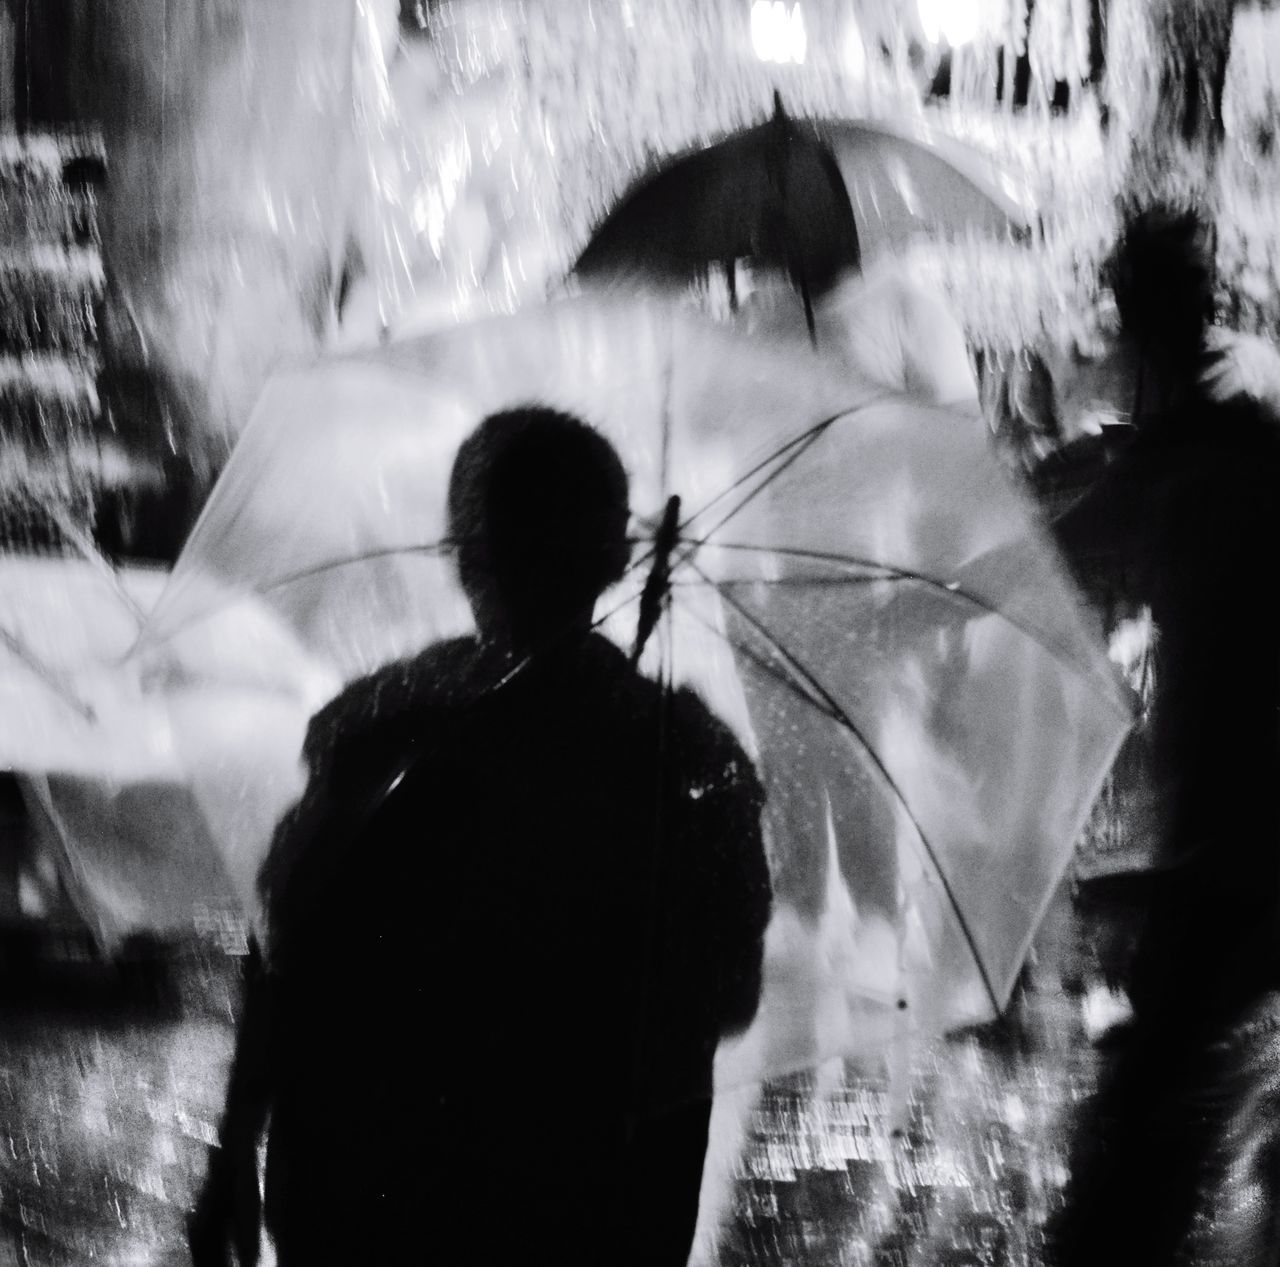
658, 583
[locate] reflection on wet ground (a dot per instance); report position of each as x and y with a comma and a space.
963, 1163
970, 1178
111, 1084
110, 1090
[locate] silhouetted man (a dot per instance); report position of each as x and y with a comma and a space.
1187, 515
519, 905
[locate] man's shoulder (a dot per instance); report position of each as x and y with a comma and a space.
702, 746
710, 754
383, 698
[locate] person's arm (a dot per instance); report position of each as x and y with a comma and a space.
742, 904
730, 889
227, 1215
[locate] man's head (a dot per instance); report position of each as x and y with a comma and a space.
1162, 273
538, 515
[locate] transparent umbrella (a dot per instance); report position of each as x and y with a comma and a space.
113, 824
847, 577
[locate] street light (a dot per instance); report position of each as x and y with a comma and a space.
954, 21
855, 51
778, 33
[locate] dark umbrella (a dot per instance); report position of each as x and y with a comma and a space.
773, 194
811, 196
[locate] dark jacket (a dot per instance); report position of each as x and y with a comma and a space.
557, 885
1187, 520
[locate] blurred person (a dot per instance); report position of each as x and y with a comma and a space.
889, 328
1188, 513
880, 323
1111, 380
521, 901
883, 326
1020, 407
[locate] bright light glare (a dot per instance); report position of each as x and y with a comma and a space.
955, 21
777, 31
855, 51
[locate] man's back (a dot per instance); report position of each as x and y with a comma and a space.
548, 923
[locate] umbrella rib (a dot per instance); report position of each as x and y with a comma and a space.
802, 441
88, 551
525, 661
50, 677
783, 582
368, 556
438, 547
782, 673
839, 715
890, 573
779, 469
306, 574
614, 610
886, 572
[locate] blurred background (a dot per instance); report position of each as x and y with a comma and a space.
196, 195
156, 269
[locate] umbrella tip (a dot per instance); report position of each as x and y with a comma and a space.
779, 110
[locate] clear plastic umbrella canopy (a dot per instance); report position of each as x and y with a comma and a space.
112, 813
855, 589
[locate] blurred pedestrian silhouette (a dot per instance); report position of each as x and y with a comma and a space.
521, 901
1188, 513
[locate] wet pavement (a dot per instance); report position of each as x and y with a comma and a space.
110, 1089
111, 1083
971, 1176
